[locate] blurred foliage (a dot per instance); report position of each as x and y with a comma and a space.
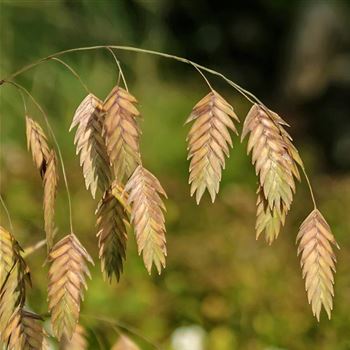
242, 293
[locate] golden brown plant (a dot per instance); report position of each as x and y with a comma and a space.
122, 132
14, 274
268, 219
208, 143
112, 221
67, 280
25, 332
147, 216
78, 340
50, 190
37, 143
107, 141
89, 117
317, 261
275, 160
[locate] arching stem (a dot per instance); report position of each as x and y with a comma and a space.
7, 212
73, 72
248, 95
310, 187
204, 77
56, 144
121, 74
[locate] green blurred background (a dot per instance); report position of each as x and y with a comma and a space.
221, 289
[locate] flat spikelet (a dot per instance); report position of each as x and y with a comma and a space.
89, 118
267, 219
67, 280
275, 159
77, 342
112, 235
25, 332
122, 132
50, 190
317, 261
37, 143
14, 274
208, 143
147, 216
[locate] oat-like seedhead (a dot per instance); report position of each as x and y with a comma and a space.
14, 275
275, 160
45, 160
25, 331
147, 216
50, 190
112, 221
268, 219
208, 143
317, 261
107, 142
122, 132
89, 119
67, 281
78, 340
37, 144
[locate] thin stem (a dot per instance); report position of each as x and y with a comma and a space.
244, 92
119, 68
248, 95
7, 212
31, 249
24, 102
120, 325
204, 77
310, 187
73, 72
57, 146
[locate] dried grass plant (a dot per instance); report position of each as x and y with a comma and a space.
107, 142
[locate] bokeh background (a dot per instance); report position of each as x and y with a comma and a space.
221, 289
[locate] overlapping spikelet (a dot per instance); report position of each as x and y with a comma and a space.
89, 117
317, 261
268, 219
147, 216
208, 143
77, 342
276, 164
67, 280
37, 144
112, 221
122, 132
45, 161
25, 331
50, 189
14, 274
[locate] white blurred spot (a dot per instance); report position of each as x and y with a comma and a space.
188, 338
